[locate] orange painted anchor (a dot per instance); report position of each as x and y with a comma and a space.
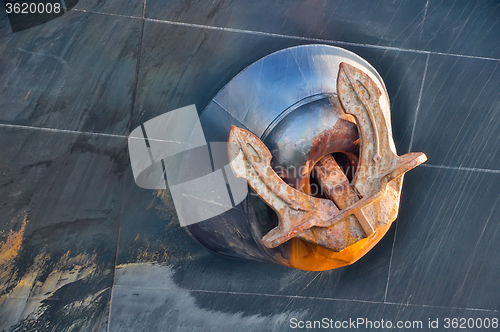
350, 216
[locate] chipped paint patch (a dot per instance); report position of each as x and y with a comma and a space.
10, 247
25, 302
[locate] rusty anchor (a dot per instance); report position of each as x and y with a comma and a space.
354, 215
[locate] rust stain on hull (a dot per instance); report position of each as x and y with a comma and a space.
28, 279
12, 244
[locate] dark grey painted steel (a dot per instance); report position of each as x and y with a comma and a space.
445, 255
